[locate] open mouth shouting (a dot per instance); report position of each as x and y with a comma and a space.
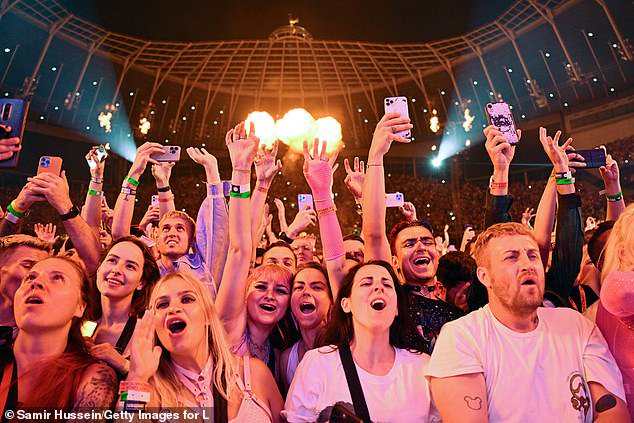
529, 282
175, 325
378, 304
422, 261
307, 307
268, 307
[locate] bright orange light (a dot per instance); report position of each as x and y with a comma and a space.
295, 127
104, 121
144, 126
434, 124
468, 120
264, 127
329, 130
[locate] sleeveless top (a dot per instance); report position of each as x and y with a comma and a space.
252, 409
293, 362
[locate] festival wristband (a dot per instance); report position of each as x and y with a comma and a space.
565, 181
128, 191
133, 386
94, 192
132, 181
615, 197
12, 218
17, 214
563, 175
166, 199
240, 191
97, 180
164, 189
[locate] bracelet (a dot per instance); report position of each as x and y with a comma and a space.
128, 191
97, 180
125, 386
240, 194
166, 199
374, 164
12, 218
242, 170
262, 189
133, 406
335, 257
615, 197
282, 235
563, 175
498, 185
322, 201
94, 192
131, 180
71, 214
136, 396
164, 189
17, 214
565, 181
327, 210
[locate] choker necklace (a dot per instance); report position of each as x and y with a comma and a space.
261, 351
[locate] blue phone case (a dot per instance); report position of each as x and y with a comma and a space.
13, 113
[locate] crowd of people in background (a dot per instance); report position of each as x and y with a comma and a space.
346, 310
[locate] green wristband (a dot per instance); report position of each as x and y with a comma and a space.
132, 181
94, 192
565, 181
14, 212
240, 194
615, 197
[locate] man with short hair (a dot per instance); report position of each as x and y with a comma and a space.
18, 253
303, 247
515, 361
455, 273
282, 254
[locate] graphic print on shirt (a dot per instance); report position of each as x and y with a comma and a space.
580, 399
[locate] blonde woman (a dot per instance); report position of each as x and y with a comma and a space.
181, 358
615, 314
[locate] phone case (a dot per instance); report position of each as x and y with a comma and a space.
396, 199
50, 164
13, 113
303, 199
499, 114
171, 153
594, 158
155, 201
398, 104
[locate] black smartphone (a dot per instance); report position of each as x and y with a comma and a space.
593, 158
341, 414
13, 113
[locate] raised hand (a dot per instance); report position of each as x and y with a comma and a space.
144, 355
152, 214
557, 154
355, 177
265, 166
208, 161
305, 217
46, 232
8, 146
385, 132
281, 214
142, 158
54, 188
242, 148
96, 166
610, 174
528, 215
409, 211
500, 151
319, 168
162, 173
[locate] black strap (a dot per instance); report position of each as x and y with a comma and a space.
354, 385
126, 335
220, 406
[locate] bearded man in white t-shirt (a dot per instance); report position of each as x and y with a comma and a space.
515, 361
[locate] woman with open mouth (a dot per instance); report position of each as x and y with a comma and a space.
125, 279
181, 358
49, 366
311, 300
370, 339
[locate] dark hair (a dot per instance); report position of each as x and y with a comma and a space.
280, 244
316, 266
597, 242
454, 267
353, 237
63, 374
11, 242
140, 297
396, 229
340, 330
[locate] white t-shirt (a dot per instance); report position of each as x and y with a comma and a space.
400, 396
539, 376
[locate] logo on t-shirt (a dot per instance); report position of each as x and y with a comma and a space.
580, 399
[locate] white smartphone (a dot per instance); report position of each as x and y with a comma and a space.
398, 104
155, 201
396, 199
303, 199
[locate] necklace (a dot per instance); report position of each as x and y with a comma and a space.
261, 351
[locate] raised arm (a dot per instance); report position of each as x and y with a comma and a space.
91, 212
613, 193
124, 207
162, 173
373, 229
545, 218
265, 169
501, 154
18, 209
318, 170
231, 299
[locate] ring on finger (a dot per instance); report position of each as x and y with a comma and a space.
394, 131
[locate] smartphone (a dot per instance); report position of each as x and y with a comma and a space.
398, 104
226, 188
155, 201
499, 114
303, 199
171, 153
593, 158
13, 112
396, 199
341, 414
101, 152
50, 164
88, 329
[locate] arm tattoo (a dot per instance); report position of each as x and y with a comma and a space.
100, 392
473, 403
605, 403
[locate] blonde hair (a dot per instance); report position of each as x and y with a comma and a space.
497, 231
619, 250
165, 384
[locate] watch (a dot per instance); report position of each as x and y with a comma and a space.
73, 212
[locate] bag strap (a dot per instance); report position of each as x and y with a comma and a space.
126, 335
4, 385
354, 384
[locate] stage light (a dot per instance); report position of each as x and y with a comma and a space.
104, 121
615, 45
184, 117
151, 112
468, 120
163, 101
94, 83
433, 147
88, 128
611, 89
434, 123
54, 108
547, 54
590, 34
41, 117
436, 162
442, 182
193, 107
442, 93
365, 121
131, 93
510, 70
77, 94
467, 143
7, 50
595, 79
329, 130
413, 100
54, 69
475, 82
6, 94
295, 127
117, 104
221, 112
490, 92
203, 145
565, 104
264, 127
359, 110
551, 95
215, 122
523, 116
144, 126
425, 110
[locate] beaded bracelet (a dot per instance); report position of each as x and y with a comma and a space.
327, 210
